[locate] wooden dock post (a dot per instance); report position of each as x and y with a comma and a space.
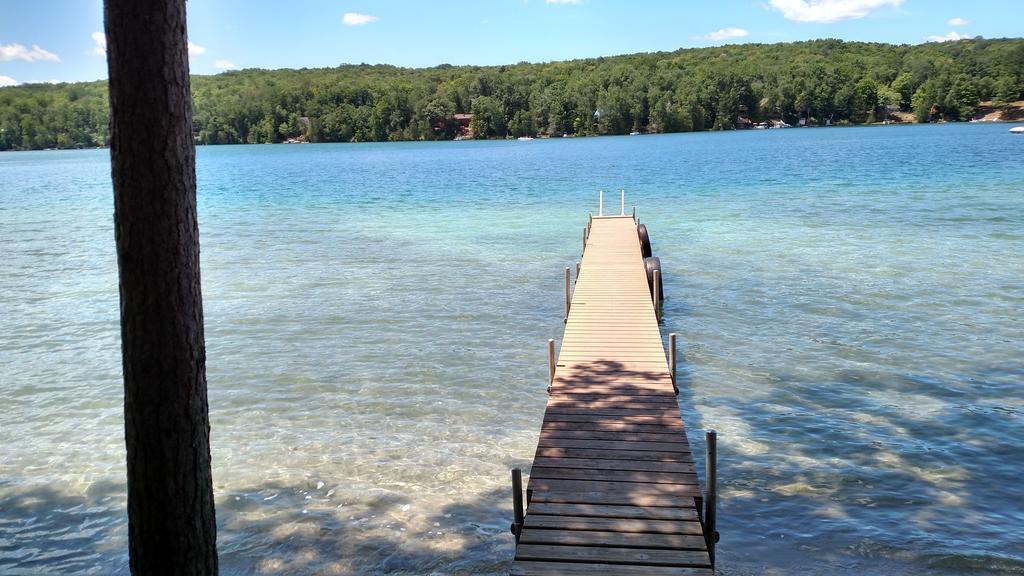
568, 293
577, 270
656, 294
672, 360
622, 198
551, 361
711, 498
517, 502
600, 204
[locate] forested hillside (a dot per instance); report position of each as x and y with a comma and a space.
693, 89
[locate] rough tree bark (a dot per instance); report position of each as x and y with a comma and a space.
172, 528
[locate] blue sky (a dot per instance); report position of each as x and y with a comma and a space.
59, 40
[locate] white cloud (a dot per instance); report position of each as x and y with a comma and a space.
99, 44
195, 50
224, 65
563, 1
8, 81
357, 19
724, 34
10, 52
828, 11
958, 22
949, 37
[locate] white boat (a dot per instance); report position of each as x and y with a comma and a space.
634, 133
1017, 130
524, 138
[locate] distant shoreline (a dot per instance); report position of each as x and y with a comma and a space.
734, 86
985, 119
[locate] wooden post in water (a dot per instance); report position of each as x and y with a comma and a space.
711, 498
634, 213
517, 502
551, 363
584, 240
568, 293
656, 295
622, 198
672, 360
600, 204
577, 270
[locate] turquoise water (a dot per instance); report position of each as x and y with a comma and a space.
849, 303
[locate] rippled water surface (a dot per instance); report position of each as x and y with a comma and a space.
850, 304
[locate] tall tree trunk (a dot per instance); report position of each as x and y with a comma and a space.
172, 528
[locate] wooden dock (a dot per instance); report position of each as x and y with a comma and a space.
613, 488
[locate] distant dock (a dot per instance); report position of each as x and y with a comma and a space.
613, 488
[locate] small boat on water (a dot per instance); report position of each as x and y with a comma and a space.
1017, 130
634, 133
524, 138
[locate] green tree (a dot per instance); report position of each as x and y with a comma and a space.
522, 124
922, 102
903, 84
440, 115
865, 100
962, 99
888, 98
1006, 89
488, 118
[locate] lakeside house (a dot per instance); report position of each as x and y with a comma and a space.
743, 121
462, 126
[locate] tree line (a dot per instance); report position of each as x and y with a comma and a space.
820, 81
